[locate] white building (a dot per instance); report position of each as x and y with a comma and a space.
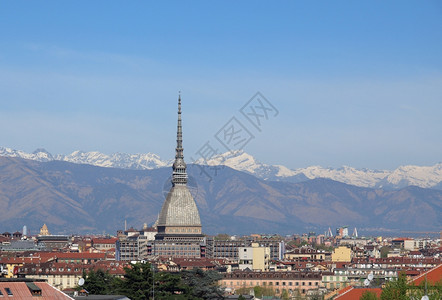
255, 258
416, 244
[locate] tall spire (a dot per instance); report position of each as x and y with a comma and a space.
179, 135
179, 175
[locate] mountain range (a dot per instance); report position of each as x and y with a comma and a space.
83, 198
421, 176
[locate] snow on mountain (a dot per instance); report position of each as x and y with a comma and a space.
116, 160
241, 161
349, 175
422, 176
39, 154
426, 177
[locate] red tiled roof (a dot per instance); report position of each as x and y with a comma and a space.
412, 272
193, 262
401, 260
351, 293
22, 260
345, 290
46, 256
114, 268
80, 255
434, 275
21, 291
53, 268
341, 264
104, 241
4, 239
296, 264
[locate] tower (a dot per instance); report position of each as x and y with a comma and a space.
44, 230
179, 225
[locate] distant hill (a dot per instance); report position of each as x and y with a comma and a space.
82, 198
422, 176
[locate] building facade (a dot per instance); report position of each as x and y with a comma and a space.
291, 282
342, 254
255, 258
227, 248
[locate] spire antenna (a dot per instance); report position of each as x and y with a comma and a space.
179, 175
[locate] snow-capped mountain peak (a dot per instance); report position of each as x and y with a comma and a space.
422, 176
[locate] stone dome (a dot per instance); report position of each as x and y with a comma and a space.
179, 209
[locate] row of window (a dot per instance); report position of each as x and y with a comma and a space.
290, 291
277, 283
178, 254
178, 248
334, 278
47, 270
183, 230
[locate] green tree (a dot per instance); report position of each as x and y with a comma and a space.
396, 289
241, 297
285, 295
323, 247
222, 236
169, 286
137, 282
316, 296
384, 251
243, 291
367, 295
297, 243
203, 284
297, 294
433, 291
261, 291
99, 282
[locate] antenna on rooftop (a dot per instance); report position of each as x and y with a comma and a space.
369, 279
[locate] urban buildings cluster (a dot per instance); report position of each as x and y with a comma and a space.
302, 265
335, 266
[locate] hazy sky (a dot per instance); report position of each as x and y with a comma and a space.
354, 83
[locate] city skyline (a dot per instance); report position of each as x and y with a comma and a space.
355, 84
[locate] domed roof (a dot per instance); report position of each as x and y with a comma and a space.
179, 209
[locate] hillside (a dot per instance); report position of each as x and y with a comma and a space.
82, 198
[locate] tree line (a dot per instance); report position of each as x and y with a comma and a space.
400, 289
141, 282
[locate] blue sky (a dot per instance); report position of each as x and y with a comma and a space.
355, 83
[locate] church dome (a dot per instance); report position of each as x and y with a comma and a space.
179, 209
